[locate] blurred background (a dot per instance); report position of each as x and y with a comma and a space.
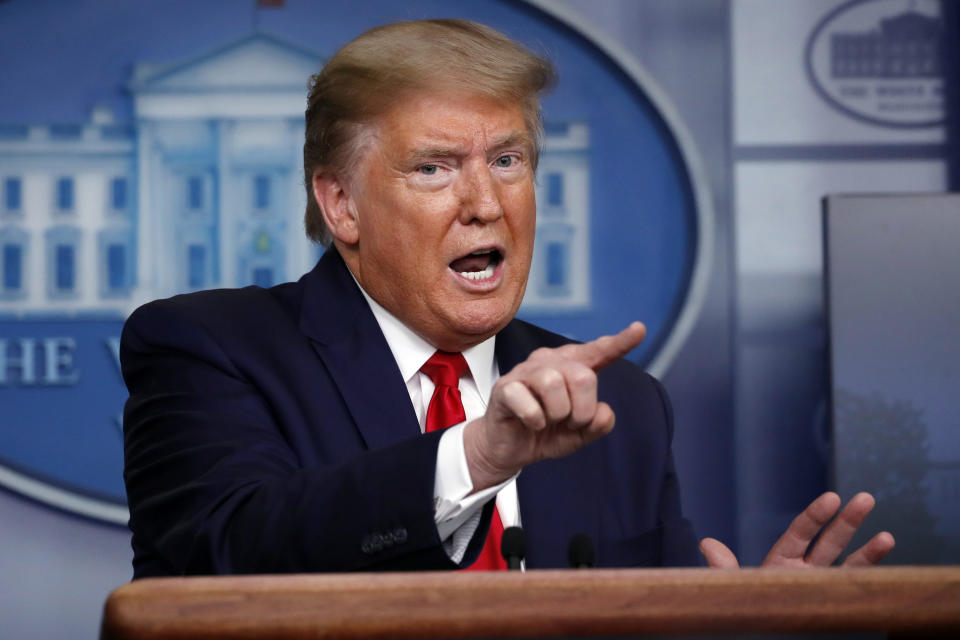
150, 148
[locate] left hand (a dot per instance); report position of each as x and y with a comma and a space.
793, 550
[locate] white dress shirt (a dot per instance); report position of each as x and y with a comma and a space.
456, 510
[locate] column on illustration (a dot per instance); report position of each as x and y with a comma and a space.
560, 273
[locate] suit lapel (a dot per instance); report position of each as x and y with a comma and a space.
348, 339
558, 498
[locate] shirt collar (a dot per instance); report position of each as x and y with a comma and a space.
411, 351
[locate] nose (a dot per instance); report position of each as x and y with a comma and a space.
480, 198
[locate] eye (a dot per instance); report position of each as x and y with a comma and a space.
428, 169
505, 161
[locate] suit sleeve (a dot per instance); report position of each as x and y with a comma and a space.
678, 544
215, 485
642, 522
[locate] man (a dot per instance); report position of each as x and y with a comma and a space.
281, 430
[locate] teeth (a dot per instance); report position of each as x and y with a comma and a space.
481, 252
478, 275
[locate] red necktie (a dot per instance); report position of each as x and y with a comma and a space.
445, 410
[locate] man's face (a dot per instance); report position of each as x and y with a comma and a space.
446, 215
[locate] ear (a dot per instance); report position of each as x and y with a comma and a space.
336, 205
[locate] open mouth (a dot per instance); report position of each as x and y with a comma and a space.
479, 265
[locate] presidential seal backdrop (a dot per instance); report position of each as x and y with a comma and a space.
149, 149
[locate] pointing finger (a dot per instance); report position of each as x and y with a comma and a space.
600, 352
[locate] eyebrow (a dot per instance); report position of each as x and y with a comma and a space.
516, 138
435, 152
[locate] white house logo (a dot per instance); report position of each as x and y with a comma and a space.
880, 61
195, 182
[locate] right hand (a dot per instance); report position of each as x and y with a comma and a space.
546, 407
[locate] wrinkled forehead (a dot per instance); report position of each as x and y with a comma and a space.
451, 123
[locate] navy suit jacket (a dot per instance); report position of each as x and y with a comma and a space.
269, 430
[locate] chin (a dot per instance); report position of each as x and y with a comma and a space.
473, 328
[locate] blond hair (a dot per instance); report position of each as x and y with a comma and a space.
370, 73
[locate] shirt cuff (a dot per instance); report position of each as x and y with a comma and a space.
455, 510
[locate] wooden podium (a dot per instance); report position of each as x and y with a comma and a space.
902, 601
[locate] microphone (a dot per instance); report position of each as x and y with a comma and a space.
513, 546
580, 553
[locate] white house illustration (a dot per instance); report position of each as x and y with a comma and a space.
560, 274
204, 189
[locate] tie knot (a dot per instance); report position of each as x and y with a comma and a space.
445, 368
